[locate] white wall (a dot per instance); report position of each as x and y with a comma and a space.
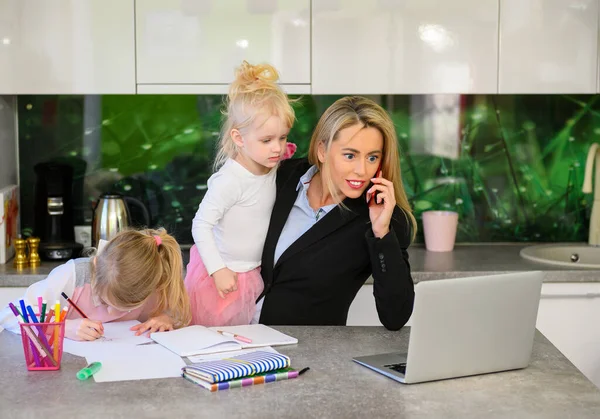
8, 141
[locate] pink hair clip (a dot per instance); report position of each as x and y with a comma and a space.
158, 240
290, 149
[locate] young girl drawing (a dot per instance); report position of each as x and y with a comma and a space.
138, 275
223, 277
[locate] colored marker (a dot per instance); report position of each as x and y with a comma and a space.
41, 334
63, 314
36, 346
16, 311
88, 371
56, 320
24, 311
39, 300
50, 315
28, 332
43, 313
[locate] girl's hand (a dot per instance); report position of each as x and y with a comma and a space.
225, 281
160, 323
83, 329
381, 209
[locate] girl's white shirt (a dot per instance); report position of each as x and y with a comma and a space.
60, 279
231, 223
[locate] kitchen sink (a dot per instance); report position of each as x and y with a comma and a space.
575, 255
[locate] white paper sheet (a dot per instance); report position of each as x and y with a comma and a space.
222, 355
114, 333
122, 362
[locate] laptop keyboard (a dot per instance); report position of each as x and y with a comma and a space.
401, 367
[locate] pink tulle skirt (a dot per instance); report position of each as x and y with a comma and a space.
208, 308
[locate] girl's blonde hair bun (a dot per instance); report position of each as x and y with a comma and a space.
250, 78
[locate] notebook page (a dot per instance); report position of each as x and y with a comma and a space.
260, 335
195, 340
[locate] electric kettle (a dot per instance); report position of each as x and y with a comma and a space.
111, 215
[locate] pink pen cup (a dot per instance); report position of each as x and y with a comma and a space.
43, 345
439, 228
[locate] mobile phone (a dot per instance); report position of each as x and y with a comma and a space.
372, 200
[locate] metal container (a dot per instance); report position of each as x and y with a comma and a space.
111, 215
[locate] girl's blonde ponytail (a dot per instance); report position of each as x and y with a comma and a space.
173, 297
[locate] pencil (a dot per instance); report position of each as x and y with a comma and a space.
81, 313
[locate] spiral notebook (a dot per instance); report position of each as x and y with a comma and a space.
247, 365
262, 378
200, 340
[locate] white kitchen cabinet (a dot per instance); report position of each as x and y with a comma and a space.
209, 89
568, 316
404, 46
67, 46
548, 46
202, 41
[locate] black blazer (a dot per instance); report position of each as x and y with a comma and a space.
318, 276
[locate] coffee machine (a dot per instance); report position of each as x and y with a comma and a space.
53, 211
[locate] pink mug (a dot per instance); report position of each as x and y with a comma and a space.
439, 228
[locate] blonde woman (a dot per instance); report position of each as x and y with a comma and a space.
340, 216
223, 277
138, 275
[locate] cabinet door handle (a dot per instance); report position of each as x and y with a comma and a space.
586, 295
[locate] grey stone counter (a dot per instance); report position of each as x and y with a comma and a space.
335, 387
465, 260
482, 258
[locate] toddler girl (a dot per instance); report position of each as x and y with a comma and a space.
138, 275
223, 277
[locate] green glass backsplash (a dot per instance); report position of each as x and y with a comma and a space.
511, 165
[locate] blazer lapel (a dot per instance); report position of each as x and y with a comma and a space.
333, 220
281, 210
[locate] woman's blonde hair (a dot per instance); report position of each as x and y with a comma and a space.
253, 93
347, 112
134, 265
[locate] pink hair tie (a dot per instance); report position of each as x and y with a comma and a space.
158, 240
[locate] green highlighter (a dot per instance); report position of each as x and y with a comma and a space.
88, 371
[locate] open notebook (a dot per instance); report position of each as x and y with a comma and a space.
199, 340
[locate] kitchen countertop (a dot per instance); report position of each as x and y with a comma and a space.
551, 387
465, 260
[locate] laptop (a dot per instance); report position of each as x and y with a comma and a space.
466, 326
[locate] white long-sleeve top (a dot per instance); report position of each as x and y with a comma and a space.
63, 278
231, 223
